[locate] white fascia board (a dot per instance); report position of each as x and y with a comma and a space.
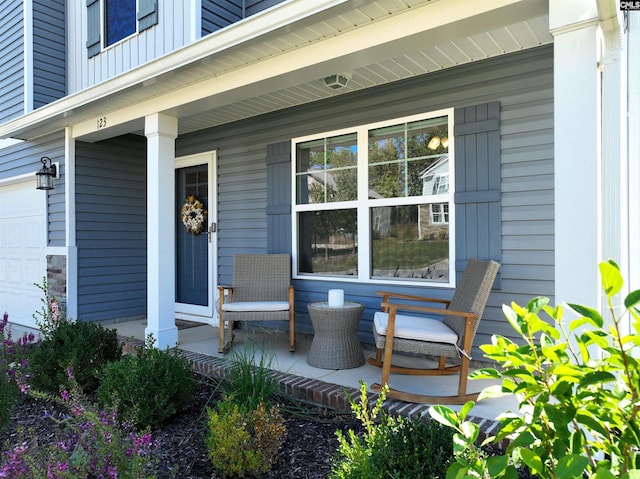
360, 41
243, 31
353, 48
566, 15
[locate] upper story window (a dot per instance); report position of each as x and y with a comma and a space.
110, 21
120, 20
374, 202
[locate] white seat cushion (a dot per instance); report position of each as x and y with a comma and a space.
421, 329
256, 306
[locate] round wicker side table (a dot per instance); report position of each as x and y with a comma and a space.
335, 342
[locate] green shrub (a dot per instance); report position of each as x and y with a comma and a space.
8, 396
391, 447
578, 387
8, 386
82, 346
250, 383
242, 441
149, 387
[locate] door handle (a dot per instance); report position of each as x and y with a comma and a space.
212, 229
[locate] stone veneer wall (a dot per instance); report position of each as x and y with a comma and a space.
57, 278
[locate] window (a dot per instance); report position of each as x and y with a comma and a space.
373, 203
117, 19
120, 20
440, 213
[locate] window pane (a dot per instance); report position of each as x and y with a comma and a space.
406, 243
120, 18
428, 137
399, 180
328, 242
401, 156
326, 170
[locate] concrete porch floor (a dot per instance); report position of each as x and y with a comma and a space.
322, 386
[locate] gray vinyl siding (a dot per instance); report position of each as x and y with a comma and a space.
49, 52
12, 60
111, 228
24, 159
217, 14
254, 6
522, 83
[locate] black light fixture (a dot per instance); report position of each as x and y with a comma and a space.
46, 174
337, 81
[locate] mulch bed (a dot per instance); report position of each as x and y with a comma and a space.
309, 447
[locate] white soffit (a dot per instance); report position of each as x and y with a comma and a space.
377, 42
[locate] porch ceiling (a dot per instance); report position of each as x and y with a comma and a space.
268, 62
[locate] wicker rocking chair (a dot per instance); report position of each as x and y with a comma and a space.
450, 338
261, 291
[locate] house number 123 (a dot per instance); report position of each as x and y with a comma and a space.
102, 122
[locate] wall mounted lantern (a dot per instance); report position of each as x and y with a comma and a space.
46, 174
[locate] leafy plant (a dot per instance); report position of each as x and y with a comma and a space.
51, 313
250, 383
243, 441
94, 445
391, 447
149, 387
85, 347
578, 386
13, 369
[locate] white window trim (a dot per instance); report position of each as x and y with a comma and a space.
363, 206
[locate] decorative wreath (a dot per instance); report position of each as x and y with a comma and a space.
193, 215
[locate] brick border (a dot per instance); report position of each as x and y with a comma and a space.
317, 392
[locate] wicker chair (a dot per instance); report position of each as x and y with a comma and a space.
450, 338
261, 291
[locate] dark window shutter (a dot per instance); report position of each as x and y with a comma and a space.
477, 184
93, 27
147, 14
279, 197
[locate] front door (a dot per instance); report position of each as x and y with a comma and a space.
195, 237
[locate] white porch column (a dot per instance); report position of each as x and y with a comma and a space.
633, 127
70, 221
615, 168
161, 132
574, 24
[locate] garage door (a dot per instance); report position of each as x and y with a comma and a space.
22, 250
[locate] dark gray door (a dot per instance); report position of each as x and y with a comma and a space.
192, 249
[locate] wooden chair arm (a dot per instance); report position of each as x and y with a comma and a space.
386, 296
393, 307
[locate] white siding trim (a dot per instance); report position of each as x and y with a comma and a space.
28, 55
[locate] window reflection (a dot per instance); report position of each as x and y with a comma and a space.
326, 170
407, 243
328, 242
400, 156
